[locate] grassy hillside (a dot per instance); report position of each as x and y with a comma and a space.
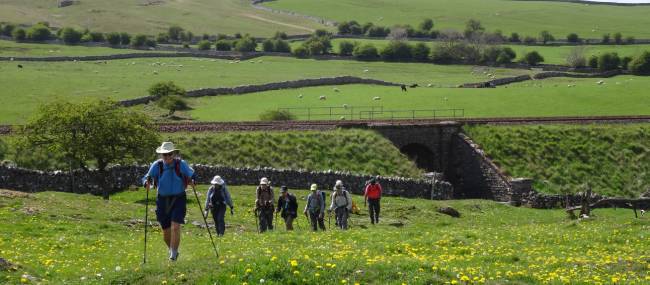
356, 151
614, 159
87, 240
39, 82
198, 16
623, 95
524, 17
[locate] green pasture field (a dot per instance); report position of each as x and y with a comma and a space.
40, 82
528, 18
11, 48
549, 97
57, 238
613, 159
151, 17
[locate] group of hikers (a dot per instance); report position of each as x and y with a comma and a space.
171, 176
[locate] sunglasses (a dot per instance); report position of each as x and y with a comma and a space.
167, 154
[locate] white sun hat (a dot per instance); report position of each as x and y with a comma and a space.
339, 183
314, 187
217, 180
166, 147
264, 181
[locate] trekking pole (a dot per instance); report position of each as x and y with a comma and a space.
205, 220
146, 221
257, 227
329, 219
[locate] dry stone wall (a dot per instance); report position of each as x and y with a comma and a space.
122, 177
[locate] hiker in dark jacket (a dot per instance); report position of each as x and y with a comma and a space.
372, 195
288, 207
341, 204
170, 175
316, 208
264, 205
216, 200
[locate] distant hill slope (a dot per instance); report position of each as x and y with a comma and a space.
525, 17
152, 17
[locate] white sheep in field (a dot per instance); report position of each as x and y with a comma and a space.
322, 97
429, 85
365, 70
345, 106
600, 82
342, 118
336, 89
376, 98
300, 96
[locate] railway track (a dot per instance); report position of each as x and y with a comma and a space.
333, 124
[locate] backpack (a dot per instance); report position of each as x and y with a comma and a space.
218, 197
177, 169
344, 195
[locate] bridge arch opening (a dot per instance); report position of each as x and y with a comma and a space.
422, 156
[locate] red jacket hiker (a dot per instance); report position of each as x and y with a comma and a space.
373, 191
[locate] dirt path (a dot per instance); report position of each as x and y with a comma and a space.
277, 22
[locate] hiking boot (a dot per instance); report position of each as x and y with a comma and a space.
173, 256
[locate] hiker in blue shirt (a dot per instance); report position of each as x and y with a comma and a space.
170, 176
315, 208
216, 200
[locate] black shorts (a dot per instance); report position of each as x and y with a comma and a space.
171, 209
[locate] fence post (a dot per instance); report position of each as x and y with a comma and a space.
413, 114
308, 114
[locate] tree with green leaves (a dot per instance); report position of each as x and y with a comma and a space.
172, 103
39, 33
640, 65
533, 58
426, 25
70, 36
166, 88
545, 36
204, 45
94, 134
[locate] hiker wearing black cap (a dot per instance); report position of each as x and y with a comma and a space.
288, 207
216, 200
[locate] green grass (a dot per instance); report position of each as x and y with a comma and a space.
68, 238
550, 97
551, 54
613, 159
10, 48
355, 151
40, 82
524, 17
198, 16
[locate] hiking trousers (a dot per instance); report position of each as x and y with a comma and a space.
373, 209
288, 222
218, 215
342, 217
316, 221
266, 219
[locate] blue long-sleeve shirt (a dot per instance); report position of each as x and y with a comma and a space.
211, 192
169, 183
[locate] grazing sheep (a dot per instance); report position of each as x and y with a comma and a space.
345, 106
155, 72
300, 96
342, 118
20, 66
322, 97
403, 87
365, 70
429, 85
336, 89
377, 98
600, 82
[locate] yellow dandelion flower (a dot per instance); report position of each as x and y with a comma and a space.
296, 272
294, 263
